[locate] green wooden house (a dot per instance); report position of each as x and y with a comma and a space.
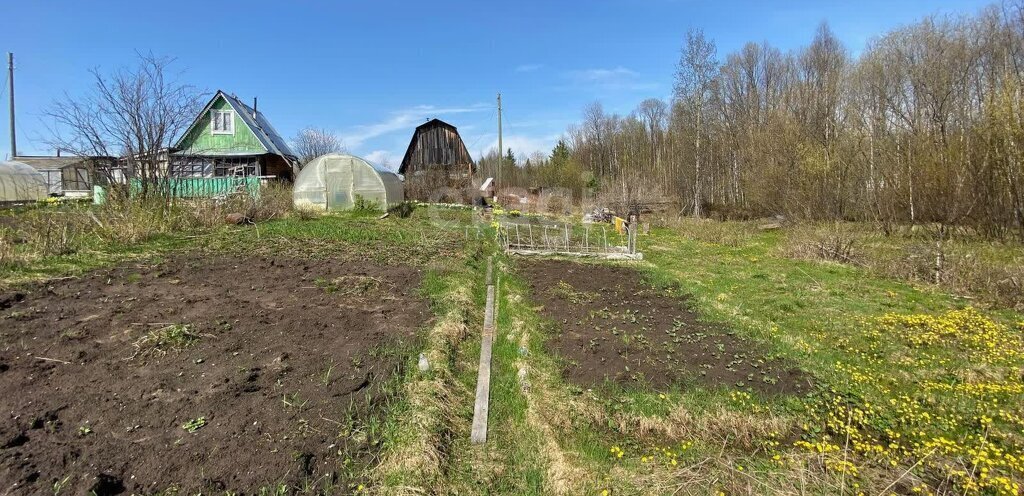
231, 139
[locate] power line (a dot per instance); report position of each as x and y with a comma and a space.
490, 119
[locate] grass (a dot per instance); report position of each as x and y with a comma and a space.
511, 461
941, 414
432, 410
917, 390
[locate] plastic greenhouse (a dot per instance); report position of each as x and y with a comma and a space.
335, 181
20, 182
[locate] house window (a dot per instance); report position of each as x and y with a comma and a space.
222, 122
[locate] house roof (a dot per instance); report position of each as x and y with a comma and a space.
43, 162
260, 126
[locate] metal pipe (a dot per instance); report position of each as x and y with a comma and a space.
10, 91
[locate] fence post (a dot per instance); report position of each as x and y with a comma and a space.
631, 233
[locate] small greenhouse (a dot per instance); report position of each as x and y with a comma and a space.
336, 181
20, 182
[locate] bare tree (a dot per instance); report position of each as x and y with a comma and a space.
313, 142
133, 114
694, 85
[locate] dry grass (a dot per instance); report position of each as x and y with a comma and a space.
53, 230
731, 429
733, 234
963, 264
416, 459
565, 474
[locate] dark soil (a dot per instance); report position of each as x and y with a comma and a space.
287, 361
611, 326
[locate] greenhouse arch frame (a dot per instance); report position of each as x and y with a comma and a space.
336, 181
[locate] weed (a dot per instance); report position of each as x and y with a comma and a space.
363, 205
173, 337
325, 379
59, 485
275, 490
307, 213
403, 209
194, 425
293, 400
565, 291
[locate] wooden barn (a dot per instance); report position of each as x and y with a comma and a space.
436, 159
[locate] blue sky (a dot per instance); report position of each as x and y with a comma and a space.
371, 71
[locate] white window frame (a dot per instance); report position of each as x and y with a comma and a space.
227, 117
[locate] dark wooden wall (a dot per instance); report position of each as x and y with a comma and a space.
434, 145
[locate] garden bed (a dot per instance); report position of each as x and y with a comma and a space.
610, 326
202, 374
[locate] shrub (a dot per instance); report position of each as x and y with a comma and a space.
732, 234
307, 212
364, 205
403, 209
832, 243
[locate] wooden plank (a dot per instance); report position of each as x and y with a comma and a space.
478, 433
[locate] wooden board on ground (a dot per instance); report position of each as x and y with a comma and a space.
478, 434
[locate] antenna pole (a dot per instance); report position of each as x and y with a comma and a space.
501, 149
10, 79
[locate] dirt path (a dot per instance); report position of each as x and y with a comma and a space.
276, 364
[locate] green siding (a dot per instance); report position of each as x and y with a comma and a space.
205, 187
200, 141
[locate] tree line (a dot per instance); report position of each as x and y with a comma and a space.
924, 126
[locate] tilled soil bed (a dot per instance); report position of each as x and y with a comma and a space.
201, 374
608, 325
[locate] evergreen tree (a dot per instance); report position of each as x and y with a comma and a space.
560, 154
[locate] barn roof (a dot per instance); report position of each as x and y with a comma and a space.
458, 155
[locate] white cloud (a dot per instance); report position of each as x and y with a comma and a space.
602, 75
381, 158
521, 144
615, 79
402, 120
528, 67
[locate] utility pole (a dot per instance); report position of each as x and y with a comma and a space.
10, 79
501, 150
